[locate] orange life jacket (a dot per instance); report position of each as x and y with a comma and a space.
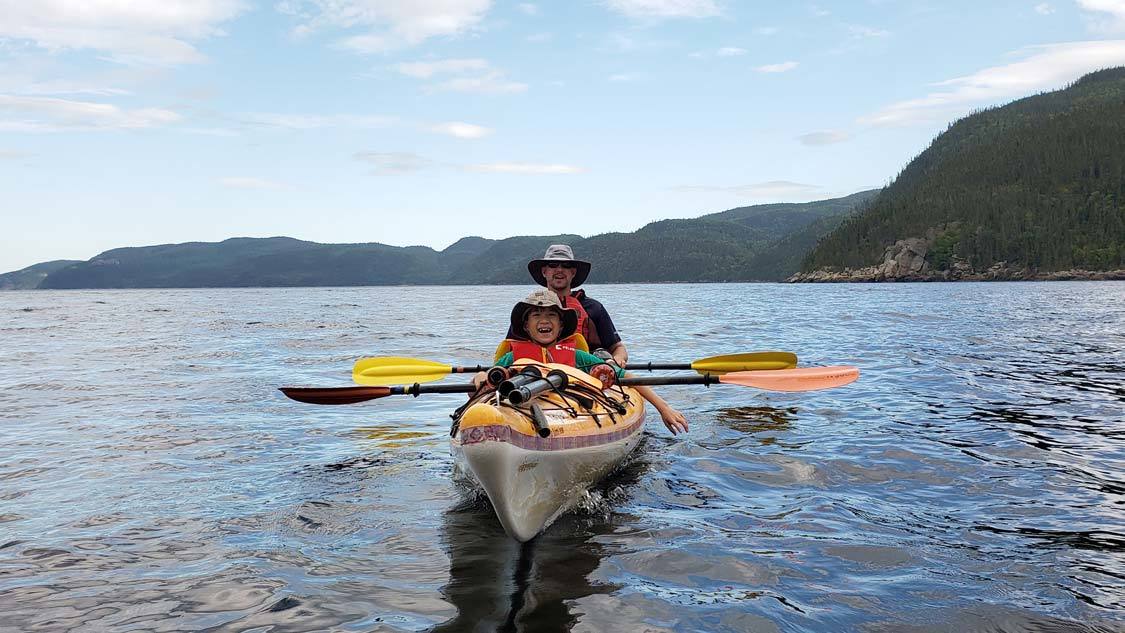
562, 351
584, 323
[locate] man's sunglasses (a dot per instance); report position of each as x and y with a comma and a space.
566, 265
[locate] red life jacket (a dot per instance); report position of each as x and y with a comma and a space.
584, 324
562, 352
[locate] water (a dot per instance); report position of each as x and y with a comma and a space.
153, 478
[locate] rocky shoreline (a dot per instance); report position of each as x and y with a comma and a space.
905, 261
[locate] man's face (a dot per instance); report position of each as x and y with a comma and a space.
543, 325
559, 275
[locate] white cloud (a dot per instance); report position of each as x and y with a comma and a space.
730, 51
138, 31
819, 12
492, 82
317, 121
239, 182
767, 30
1045, 67
777, 68
14, 154
386, 24
1109, 14
539, 38
864, 32
395, 162
826, 137
49, 114
461, 130
426, 70
469, 75
665, 8
770, 189
624, 77
525, 168
1044, 9
527, 8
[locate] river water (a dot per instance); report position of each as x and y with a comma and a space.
153, 478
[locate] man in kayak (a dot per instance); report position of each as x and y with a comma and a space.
545, 332
559, 272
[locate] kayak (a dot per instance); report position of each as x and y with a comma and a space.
536, 460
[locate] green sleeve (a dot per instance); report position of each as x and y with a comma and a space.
586, 360
506, 360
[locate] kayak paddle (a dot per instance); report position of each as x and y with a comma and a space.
803, 379
394, 370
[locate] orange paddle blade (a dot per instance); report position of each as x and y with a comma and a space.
335, 395
802, 379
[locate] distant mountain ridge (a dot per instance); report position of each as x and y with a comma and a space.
727, 246
1022, 191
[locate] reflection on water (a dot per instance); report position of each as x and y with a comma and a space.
152, 478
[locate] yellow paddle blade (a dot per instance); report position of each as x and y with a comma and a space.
392, 370
751, 361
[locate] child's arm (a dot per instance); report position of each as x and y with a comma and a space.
673, 419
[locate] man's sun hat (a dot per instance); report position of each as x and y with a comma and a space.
559, 253
543, 299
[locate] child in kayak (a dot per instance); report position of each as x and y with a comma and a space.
548, 335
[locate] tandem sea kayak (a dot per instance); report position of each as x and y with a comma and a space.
535, 460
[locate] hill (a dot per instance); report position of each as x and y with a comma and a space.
1019, 191
30, 277
728, 246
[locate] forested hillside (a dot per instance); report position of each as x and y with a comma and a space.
1038, 183
731, 246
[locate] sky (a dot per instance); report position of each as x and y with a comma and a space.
423, 121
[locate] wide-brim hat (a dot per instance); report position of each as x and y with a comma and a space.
543, 299
558, 253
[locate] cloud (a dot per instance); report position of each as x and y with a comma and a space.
826, 137
768, 189
1109, 14
426, 70
14, 154
865, 32
527, 8
525, 168
767, 30
664, 8
461, 130
1044, 67
317, 121
539, 38
777, 68
238, 182
468, 75
730, 51
624, 77
492, 82
395, 162
1044, 9
386, 24
136, 32
49, 114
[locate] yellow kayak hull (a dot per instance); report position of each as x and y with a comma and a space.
532, 480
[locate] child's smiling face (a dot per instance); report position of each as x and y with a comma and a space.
543, 325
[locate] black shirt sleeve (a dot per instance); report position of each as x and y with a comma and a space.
607, 333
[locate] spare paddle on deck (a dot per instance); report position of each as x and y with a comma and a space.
394, 370
803, 379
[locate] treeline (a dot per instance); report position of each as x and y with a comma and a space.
1039, 182
735, 245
